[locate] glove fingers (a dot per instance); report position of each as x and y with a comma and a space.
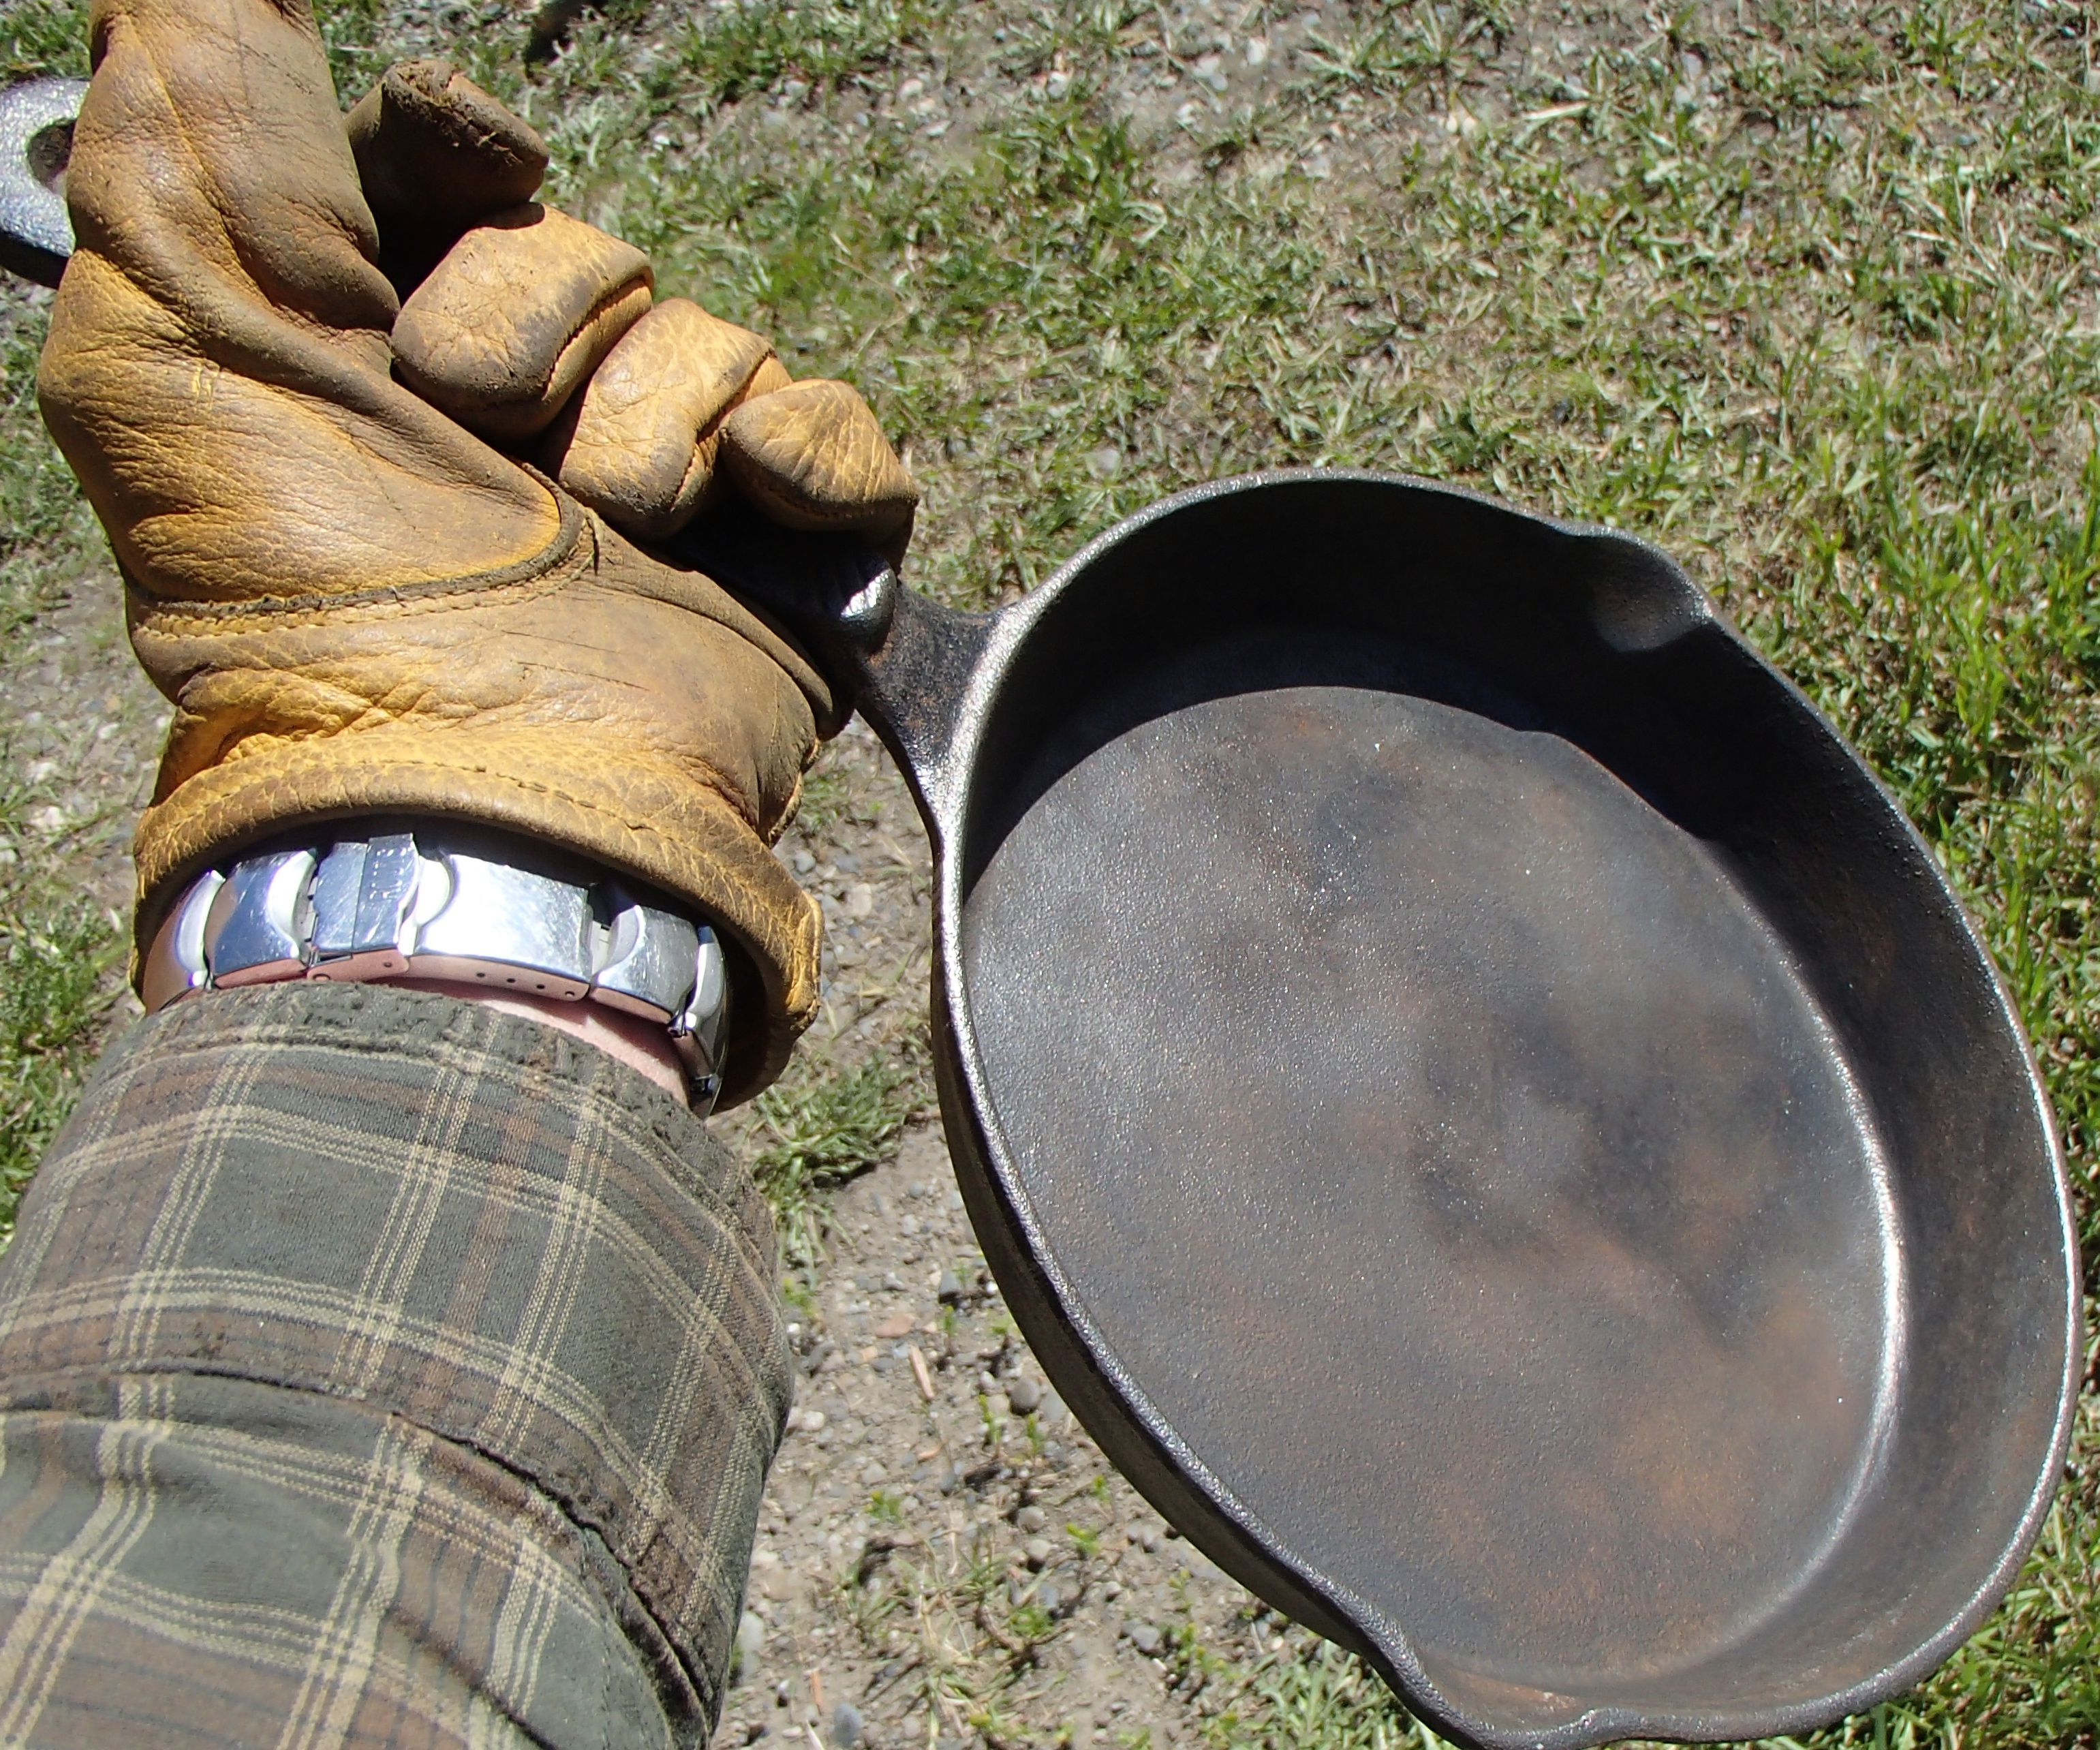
210, 147
811, 456
437, 155
217, 370
521, 311
638, 443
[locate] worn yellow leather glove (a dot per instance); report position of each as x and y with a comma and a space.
357, 602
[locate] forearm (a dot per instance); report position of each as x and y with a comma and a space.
381, 1362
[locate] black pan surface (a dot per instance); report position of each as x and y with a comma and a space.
1488, 1110
1481, 1138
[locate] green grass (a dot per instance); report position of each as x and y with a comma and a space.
1809, 293
40, 37
59, 953
819, 1126
55, 990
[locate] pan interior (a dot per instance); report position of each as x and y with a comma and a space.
1449, 1153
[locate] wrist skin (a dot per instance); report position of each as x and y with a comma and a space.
643, 1046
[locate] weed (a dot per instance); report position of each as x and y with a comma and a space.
821, 1127
825, 802
56, 958
39, 36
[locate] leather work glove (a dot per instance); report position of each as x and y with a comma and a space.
331, 492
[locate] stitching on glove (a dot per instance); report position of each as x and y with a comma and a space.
293, 610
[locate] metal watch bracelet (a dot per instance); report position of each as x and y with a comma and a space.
411, 905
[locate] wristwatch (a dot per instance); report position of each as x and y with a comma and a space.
444, 903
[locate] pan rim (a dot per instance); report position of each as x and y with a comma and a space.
1376, 1633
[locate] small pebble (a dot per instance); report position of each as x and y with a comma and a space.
845, 1726
1144, 1636
950, 1288
750, 1637
1031, 1519
1049, 1598
1023, 1394
1036, 1552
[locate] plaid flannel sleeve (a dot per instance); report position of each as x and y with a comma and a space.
376, 1368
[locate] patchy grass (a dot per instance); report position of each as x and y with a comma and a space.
60, 956
56, 957
1805, 291
817, 1127
40, 36
45, 527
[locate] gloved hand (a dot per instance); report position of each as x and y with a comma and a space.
357, 603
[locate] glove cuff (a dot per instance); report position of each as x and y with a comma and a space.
662, 827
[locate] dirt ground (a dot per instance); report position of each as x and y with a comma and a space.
927, 1464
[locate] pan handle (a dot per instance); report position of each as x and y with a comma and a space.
905, 659
36, 140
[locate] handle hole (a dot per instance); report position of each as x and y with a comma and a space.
48, 152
